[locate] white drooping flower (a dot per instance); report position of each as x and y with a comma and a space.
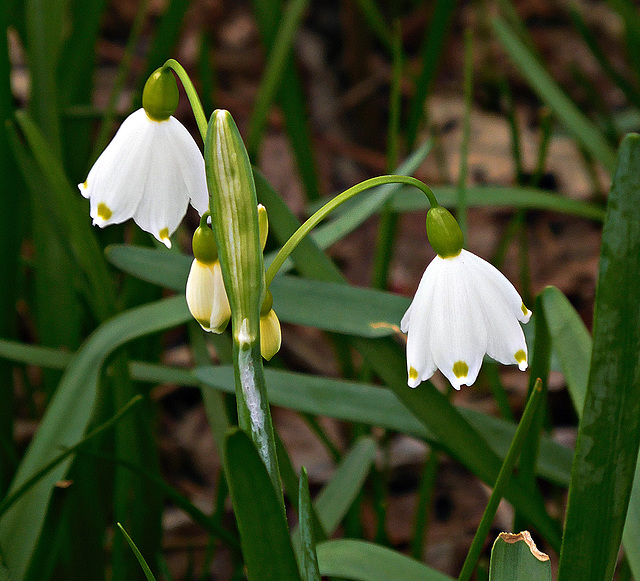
151, 169
463, 309
206, 296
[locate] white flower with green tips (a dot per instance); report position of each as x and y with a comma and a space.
463, 309
151, 170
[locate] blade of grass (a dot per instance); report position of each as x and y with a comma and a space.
124, 68
10, 241
258, 509
45, 21
69, 213
582, 129
143, 564
630, 92
405, 200
431, 53
20, 491
608, 437
503, 478
291, 98
308, 558
364, 561
279, 56
461, 201
66, 419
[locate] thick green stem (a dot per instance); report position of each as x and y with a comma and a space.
329, 207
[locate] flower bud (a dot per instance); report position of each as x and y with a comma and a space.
263, 225
270, 334
444, 233
160, 95
204, 245
234, 219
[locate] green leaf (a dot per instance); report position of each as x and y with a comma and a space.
272, 77
608, 435
431, 53
338, 495
367, 404
66, 420
409, 200
571, 342
364, 561
291, 98
266, 545
516, 558
581, 128
308, 558
143, 564
328, 306
69, 214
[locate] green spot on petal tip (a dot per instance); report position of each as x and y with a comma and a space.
460, 369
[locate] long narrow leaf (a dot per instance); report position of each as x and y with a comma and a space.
364, 561
548, 90
308, 557
608, 435
266, 545
67, 418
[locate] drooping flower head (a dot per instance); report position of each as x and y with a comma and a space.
463, 309
151, 169
206, 296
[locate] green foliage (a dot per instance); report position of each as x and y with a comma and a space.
515, 558
266, 544
608, 437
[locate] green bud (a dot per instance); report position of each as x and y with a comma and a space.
234, 212
160, 95
204, 245
444, 233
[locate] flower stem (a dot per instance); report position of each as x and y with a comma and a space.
192, 94
329, 207
501, 482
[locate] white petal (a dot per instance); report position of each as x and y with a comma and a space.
190, 162
200, 291
458, 334
220, 309
417, 323
491, 275
116, 181
505, 342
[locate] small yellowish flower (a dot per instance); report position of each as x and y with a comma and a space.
152, 168
463, 309
206, 295
270, 333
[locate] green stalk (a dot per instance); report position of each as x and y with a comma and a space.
192, 94
330, 206
501, 483
234, 211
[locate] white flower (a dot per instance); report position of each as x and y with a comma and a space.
150, 172
206, 296
464, 307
